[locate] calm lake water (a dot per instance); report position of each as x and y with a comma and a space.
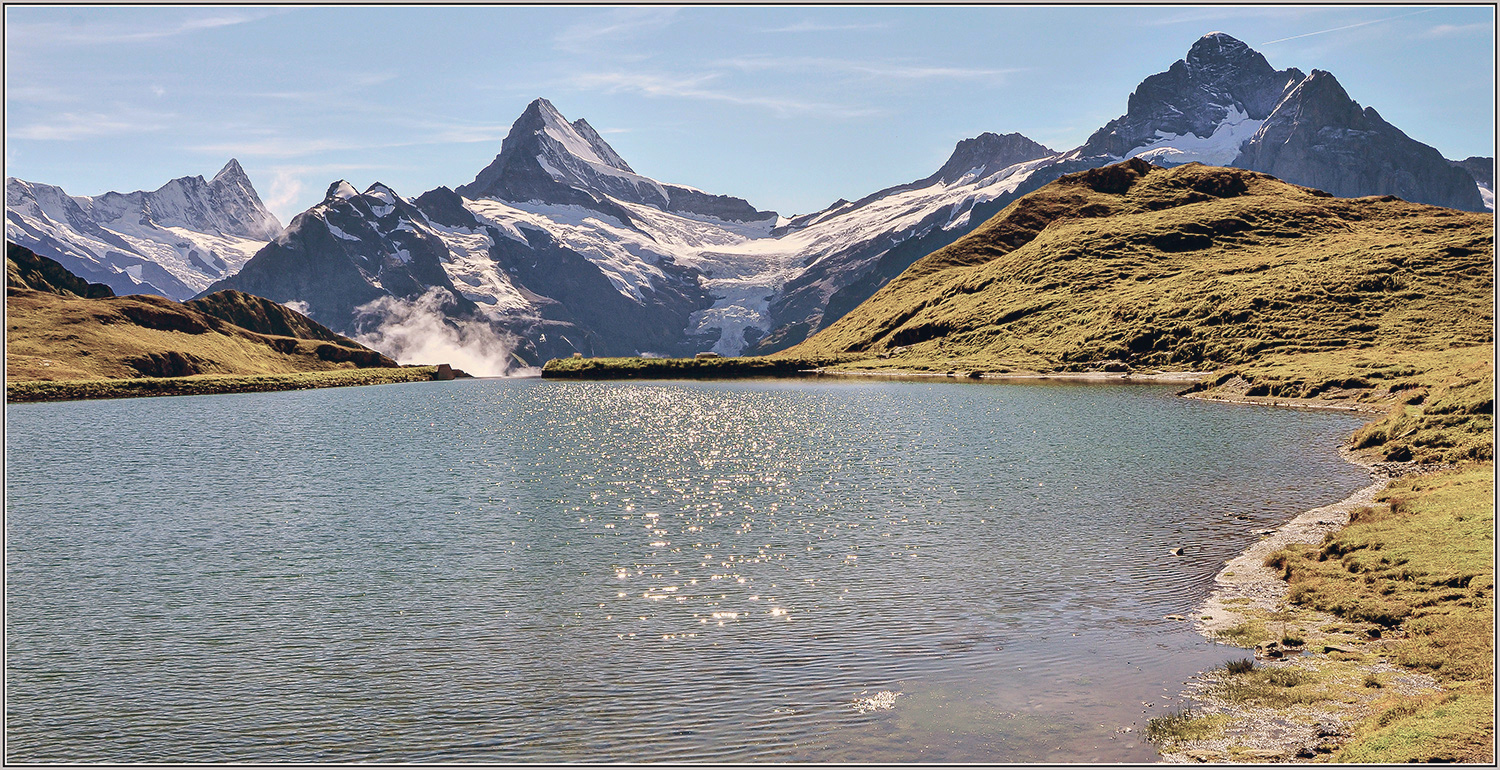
513, 570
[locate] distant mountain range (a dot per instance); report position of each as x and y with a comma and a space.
173, 241
560, 246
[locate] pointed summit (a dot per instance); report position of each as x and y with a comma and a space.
1219, 86
232, 171
600, 147
1217, 46
988, 153
546, 158
340, 190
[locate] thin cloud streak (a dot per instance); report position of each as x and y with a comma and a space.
72, 126
587, 37
1448, 30
48, 34
878, 69
691, 88
1347, 26
813, 26
293, 147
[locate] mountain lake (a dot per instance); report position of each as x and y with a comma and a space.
494, 570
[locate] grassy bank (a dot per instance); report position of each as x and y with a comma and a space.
679, 368
207, 384
1419, 564
1409, 581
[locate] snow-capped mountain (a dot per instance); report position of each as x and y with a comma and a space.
560, 245
1202, 108
350, 249
479, 260
1223, 104
545, 158
173, 241
560, 242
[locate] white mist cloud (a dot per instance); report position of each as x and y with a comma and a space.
418, 332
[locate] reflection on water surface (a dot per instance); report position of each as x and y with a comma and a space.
526, 570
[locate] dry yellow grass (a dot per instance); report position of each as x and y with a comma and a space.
56, 337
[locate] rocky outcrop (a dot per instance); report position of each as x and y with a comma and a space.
259, 314
1481, 169
349, 250
986, 154
1318, 137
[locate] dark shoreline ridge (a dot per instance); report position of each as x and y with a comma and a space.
682, 368
204, 385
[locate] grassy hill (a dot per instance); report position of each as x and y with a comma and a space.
59, 328
1192, 267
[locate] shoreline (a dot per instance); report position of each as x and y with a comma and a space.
47, 391
1095, 377
1248, 594
1290, 403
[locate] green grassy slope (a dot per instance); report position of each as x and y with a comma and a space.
59, 327
1192, 267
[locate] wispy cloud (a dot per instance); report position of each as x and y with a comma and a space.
814, 26
621, 24
285, 147
1199, 16
274, 145
71, 126
38, 34
285, 189
1450, 30
39, 94
288, 182
1347, 26
694, 87
874, 69
333, 87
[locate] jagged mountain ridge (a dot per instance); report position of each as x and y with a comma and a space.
1318, 137
1224, 105
561, 242
173, 241
558, 198
1222, 89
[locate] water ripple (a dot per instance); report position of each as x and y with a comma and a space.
512, 571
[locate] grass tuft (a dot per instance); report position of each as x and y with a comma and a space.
1184, 725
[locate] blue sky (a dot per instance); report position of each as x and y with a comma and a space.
789, 107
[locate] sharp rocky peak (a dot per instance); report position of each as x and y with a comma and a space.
232, 172
546, 158
1220, 81
988, 153
340, 190
1216, 49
